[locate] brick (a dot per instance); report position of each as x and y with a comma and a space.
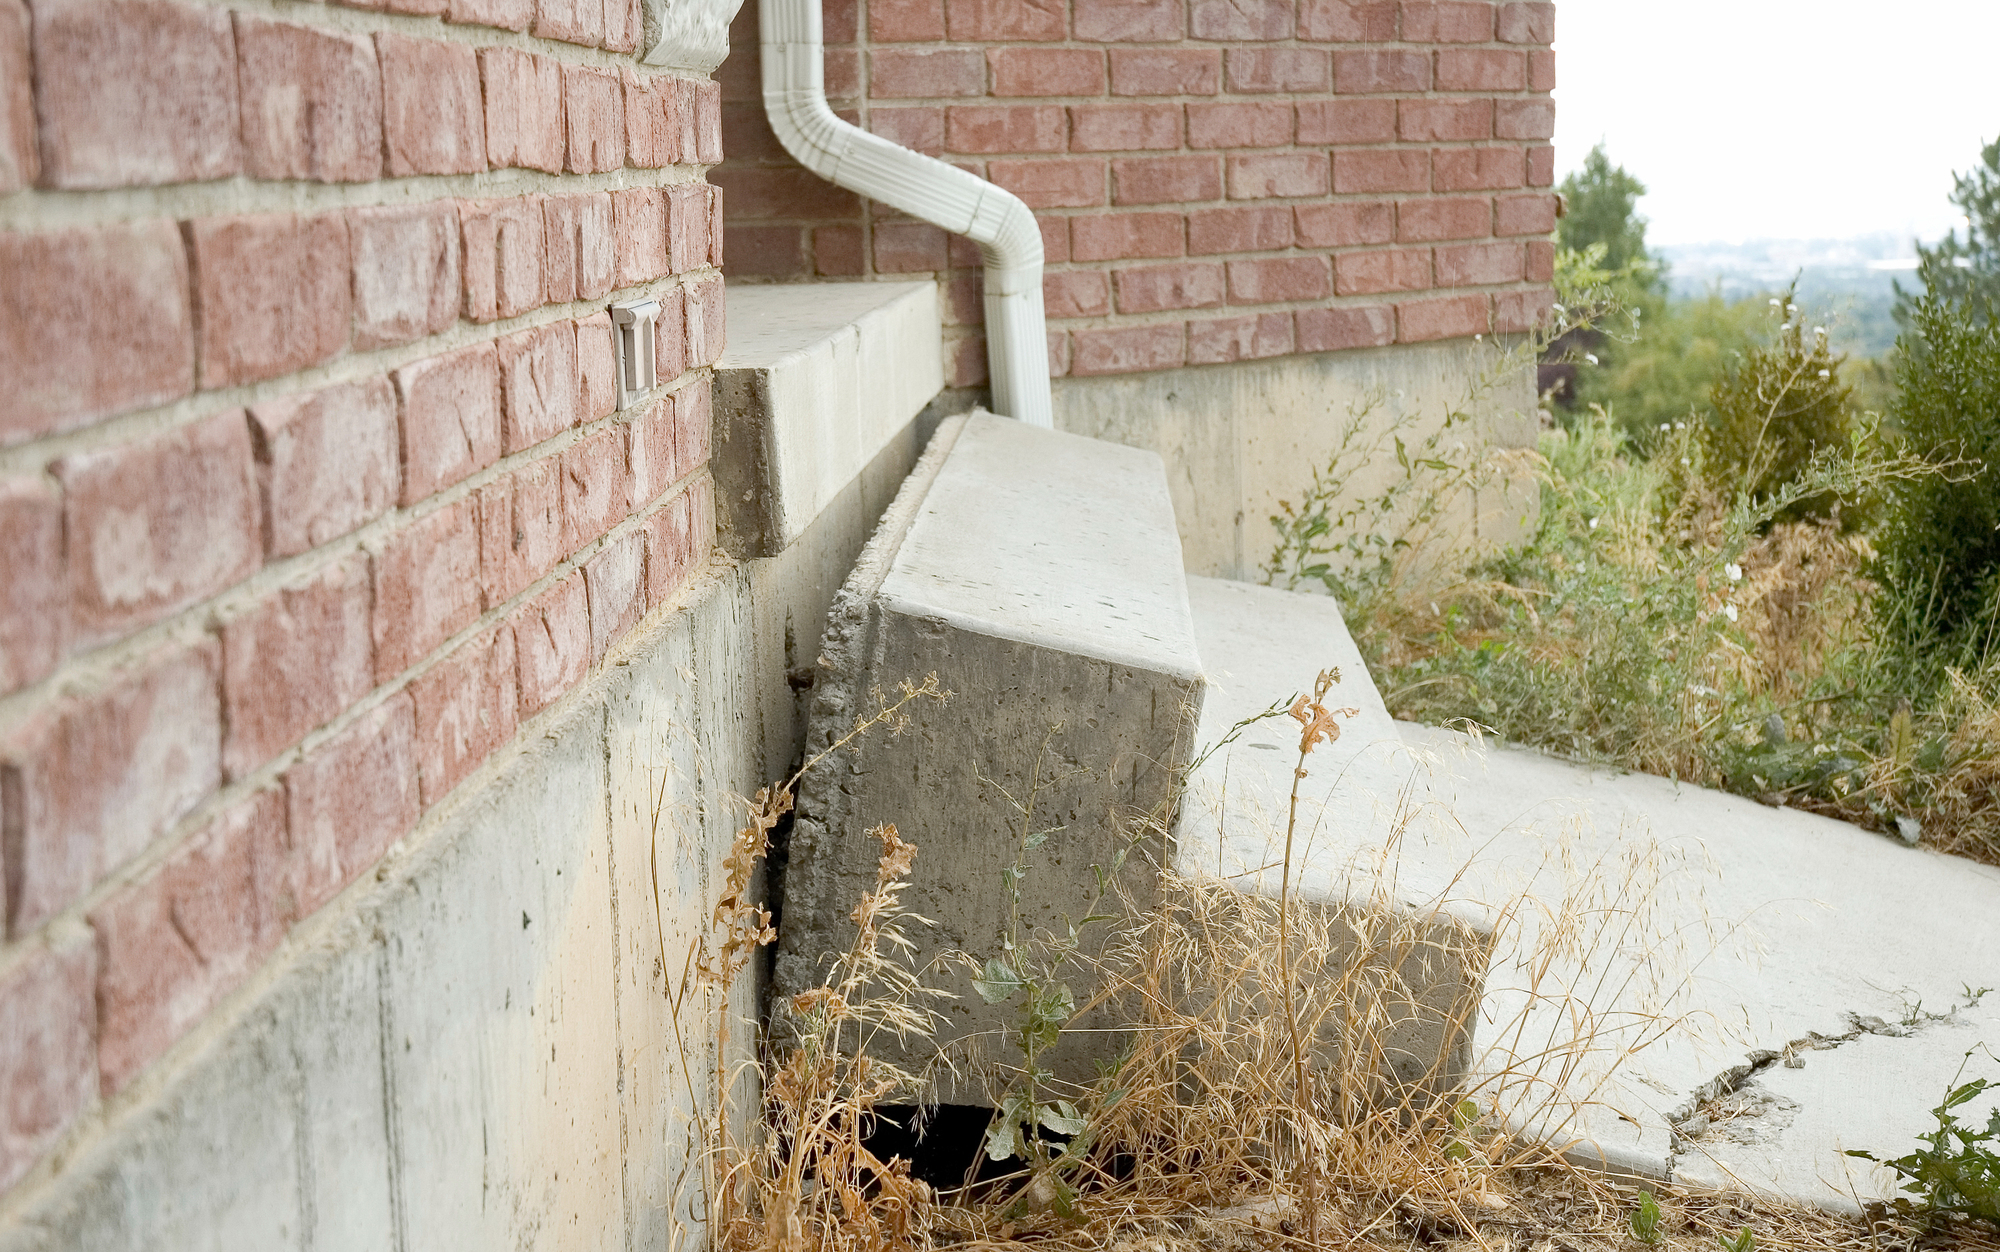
346, 805
1155, 288
1241, 19
1398, 169
920, 130
1381, 70
767, 252
1345, 224
1166, 180
1163, 71
134, 93
1134, 21
571, 21
1528, 23
594, 115
328, 462
1275, 279
1539, 264
1128, 350
905, 21
904, 73
594, 496
1432, 121
1047, 71
840, 20
623, 24
426, 586
687, 227
706, 113
551, 644
639, 224
312, 102
1524, 119
504, 243
158, 524
837, 251
1076, 293
670, 339
717, 224
172, 945
464, 711
406, 276
1055, 239
1278, 69
1336, 330
653, 142
414, 8
785, 193
680, 113
294, 661
1277, 174
1118, 236
746, 132
1541, 167
1542, 71
432, 118
1054, 183
540, 387
34, 601
964, 302
93, 779
1530, 214
1347, 21
1124, 127
1516, 312
596, 368
1423, 221
965, 362
524, 110
1346, 121
1239, 125
1479, 264
994, 21
449, 417
1464, 69
273, 291
520, 529
1448, 21
1420, 321
48, 1049
581, 261
1218, 340
20, 162
1212, 231
95, 322
1394, 269
505, 14
615, 580
650, 452
676, 543
1478, 169
1005, 128
694, 418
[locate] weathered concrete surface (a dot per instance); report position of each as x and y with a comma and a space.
471, 1048
1724, 929
814, 385
1038, 575
1239, 438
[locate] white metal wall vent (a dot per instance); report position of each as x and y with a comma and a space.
632, 326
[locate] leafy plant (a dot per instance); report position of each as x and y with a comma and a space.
1958, 1168
1646, 1219
1744, 1240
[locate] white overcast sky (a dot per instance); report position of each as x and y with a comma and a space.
1791, 119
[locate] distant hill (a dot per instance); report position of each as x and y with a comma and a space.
1849, 283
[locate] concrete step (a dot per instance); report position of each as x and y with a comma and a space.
814, 384
1766, 959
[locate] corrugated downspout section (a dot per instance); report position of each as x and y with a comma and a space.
1017, 346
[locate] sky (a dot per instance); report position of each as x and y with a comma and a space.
1790, 119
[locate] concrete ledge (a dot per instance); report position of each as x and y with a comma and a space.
1038, 575
815, 382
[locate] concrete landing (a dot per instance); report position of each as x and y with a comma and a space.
1726, 986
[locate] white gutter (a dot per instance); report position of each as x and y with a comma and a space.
1017, 346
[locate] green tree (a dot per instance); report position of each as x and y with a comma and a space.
1603, 205
1965, 271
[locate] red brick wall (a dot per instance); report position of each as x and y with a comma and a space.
1216, 180
312, 492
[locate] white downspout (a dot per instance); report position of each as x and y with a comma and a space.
1017, 346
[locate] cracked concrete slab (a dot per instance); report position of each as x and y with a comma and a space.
1655, 938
